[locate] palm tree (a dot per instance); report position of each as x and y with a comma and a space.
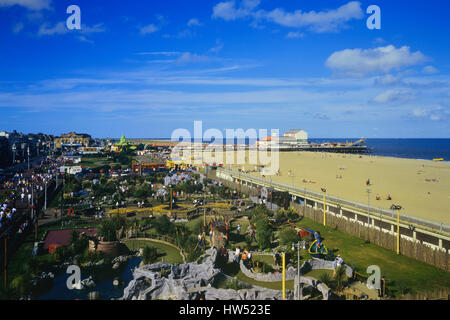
340, 278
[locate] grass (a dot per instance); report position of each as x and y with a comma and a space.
232, 269
22, 257
166, 253
413, 274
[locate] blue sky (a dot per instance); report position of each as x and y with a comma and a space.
145, 68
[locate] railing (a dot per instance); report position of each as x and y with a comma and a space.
441, 227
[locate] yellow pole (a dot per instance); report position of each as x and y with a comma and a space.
324, 209
171, 201
284, 276
398, 231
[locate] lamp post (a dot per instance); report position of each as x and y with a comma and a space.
14, 149
368, 207
324, 205
298, 266
397, 207
28, 152
45, 201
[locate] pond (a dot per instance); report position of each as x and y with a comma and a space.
103, 279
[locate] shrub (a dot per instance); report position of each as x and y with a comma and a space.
288, 236
280, 218
109, 227
150, 255
325, 277
164, 226
264, 233
80, 245
74, 236
193, 255
21, 285
62, 253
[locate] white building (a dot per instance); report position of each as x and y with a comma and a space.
297, 134
70, 170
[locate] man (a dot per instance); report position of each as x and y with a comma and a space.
337, 264
237, 253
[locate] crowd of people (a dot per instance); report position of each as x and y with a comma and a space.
21, 192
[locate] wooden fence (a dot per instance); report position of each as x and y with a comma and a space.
416, 250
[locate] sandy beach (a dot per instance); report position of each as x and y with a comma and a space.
421, 187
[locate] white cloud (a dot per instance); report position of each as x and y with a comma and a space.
387, 80
433, 113
429, 70
84, 39
151, 28
228, 11
358, 62
29, 4
193, 22
94, 29
393, 95
295, 35
379, 40
61, 28
322, 21
188, 57
218, 47
160, 53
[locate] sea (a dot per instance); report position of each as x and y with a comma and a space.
425, 149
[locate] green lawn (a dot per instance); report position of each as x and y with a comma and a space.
232, 269
411, 273
21, 260
167, 253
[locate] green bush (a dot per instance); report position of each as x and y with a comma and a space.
80, 245
109, 227
164, 226
62, 253
264, 232
193, 255
288, 236
325, 277
21, 285
150, 255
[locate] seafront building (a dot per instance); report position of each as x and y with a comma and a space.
293, 138
73, 139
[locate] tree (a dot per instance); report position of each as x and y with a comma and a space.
264, 232
22, 285
150, 255
163, 225
340, 278
288, 236
325, 277
74, 236
62, 253
109, 227
144, 191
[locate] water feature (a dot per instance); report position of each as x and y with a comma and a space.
102, 278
